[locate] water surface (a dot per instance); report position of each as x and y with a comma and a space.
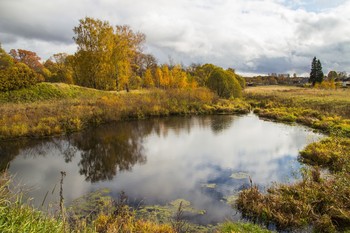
201, 159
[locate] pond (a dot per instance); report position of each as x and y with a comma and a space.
205, 160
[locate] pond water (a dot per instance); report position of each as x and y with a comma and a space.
206, 160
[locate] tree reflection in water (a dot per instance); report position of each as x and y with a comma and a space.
108, 149
104, 152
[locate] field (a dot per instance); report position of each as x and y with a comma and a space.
325, 110
329, 102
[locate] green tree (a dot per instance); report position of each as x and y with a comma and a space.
5, 59
224, 84
239, 78
332, 75
316, 74
201, 73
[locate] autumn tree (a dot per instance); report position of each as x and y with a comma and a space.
316, 74
128, 45
158, 76
27, 57
93, 64
32, 60
15, 75
179, 77
148, 79
60, 68
105, 55
141, 62
165, 78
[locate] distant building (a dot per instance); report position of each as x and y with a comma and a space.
346, 82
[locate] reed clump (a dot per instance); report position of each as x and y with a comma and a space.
320, 199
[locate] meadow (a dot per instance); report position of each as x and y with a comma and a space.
325, 110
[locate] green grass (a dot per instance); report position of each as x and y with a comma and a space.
18, 217
50, 91
240, 227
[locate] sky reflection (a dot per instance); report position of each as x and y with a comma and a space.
159, 160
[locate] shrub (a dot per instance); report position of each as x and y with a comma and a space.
224, 84
16, 77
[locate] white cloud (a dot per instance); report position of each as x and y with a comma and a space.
249, 35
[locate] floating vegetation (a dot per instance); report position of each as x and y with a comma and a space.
164, 214
89, 206
239, 175
231, 200
209, 186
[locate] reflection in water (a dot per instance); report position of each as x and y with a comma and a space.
108, 150
220, 123
159, 160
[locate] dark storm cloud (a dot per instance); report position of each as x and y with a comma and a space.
38, 31
253, 36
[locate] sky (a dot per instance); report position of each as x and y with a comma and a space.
252, 36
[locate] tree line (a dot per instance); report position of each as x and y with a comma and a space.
112, 58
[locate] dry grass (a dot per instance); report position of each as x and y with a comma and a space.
326, 101
68, 108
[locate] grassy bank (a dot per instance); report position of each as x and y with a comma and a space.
322, 198
51, 109
325, 110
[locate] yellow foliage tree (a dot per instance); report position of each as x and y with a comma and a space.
105, 54
148, 80
165, 81
158, 77
179, 77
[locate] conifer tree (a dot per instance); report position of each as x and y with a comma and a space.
316, 74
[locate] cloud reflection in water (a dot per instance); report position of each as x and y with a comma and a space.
160, 160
